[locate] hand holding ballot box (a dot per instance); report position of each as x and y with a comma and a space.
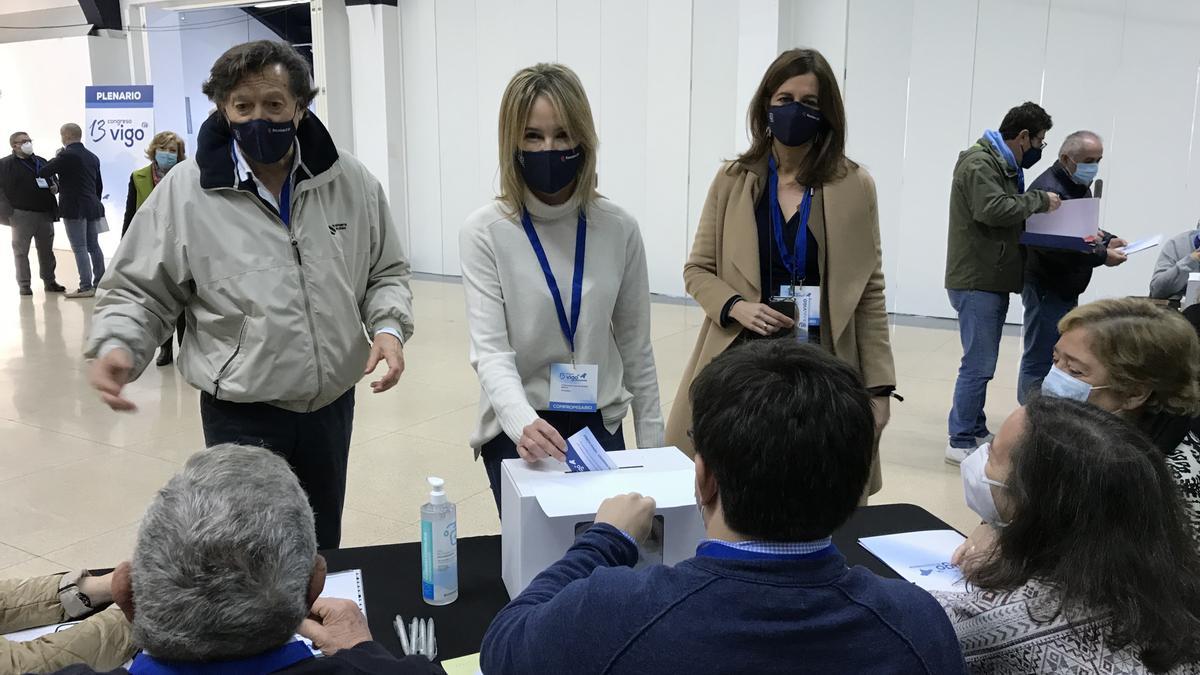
545, 506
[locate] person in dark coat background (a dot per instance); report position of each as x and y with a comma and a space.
27, 205
80, 190
1055, 278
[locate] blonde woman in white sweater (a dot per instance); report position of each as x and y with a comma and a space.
558, 302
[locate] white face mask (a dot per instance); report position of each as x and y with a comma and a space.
27, 148
1059, 384
977, 486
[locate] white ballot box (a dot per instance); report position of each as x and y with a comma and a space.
545, 507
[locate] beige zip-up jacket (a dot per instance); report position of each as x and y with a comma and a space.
275, 314
102, 640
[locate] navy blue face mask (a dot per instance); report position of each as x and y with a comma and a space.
264, 141
794, 123
550, 171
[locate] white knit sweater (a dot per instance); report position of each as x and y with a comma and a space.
514, 328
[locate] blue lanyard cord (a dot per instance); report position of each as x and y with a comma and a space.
796, 263
568, 326
285, 203
36, 168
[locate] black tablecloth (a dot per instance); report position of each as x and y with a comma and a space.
392, 577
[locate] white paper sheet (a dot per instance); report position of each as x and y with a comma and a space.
1075, 218
920, 557
580, 493
347, 585
1142, 244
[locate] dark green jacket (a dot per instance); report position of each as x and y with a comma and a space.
987, 216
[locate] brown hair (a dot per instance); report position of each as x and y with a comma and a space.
562, 88
251, 58
827, 161
1143, 345
165, 138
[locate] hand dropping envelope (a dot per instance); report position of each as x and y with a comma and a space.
584, 453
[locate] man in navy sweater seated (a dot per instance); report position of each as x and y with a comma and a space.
783, 435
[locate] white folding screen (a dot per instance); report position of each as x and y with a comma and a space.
669, 82
926, 77
664, 78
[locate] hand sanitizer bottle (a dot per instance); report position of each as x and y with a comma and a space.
439, 547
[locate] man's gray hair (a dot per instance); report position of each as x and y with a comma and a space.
71, 130
223, 559
1073, 143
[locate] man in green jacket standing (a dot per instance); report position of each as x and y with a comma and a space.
984, 264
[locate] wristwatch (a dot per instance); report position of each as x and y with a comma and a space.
75, 602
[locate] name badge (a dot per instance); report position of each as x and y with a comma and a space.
808, 309
43, 183
573, 387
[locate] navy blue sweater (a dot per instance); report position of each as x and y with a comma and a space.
592, 613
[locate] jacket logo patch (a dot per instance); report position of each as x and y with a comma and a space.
336, 227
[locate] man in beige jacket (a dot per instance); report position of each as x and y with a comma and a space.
101, 640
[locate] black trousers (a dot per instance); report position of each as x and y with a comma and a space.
315, 444
567, 424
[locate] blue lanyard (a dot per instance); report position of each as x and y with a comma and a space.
796, 263
285, 203
36, 168
720, 550
568, 327
270, 662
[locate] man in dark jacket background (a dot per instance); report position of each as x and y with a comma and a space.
1055, 278
80, 190
988, 208
27, 205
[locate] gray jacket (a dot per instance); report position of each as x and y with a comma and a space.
274, 315
1173, 266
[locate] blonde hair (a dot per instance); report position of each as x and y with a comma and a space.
165, 138
562, 88
1142, 345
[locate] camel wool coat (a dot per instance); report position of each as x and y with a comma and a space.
724, 263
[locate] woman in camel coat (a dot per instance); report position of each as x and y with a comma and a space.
742, 257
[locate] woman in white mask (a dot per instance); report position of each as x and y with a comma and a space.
1138, 361
1093, 568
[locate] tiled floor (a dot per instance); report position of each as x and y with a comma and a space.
75, 476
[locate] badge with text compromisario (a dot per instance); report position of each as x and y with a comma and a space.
573, 387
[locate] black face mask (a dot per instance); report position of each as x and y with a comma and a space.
1030, 156
550, 171
264, 141
794, 123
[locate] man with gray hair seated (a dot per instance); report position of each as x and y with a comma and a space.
226, 571
1055, 278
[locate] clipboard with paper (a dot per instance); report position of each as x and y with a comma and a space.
1073, 226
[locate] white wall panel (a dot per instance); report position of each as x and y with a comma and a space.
457, 87
821, 25
1148, 157
758, 45
878, 53
499, 57
664, 213
579, 47
939, 105
714, 113
624, 51
422, 149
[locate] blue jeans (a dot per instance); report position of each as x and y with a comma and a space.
980, 322
1043, 310
85, 243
